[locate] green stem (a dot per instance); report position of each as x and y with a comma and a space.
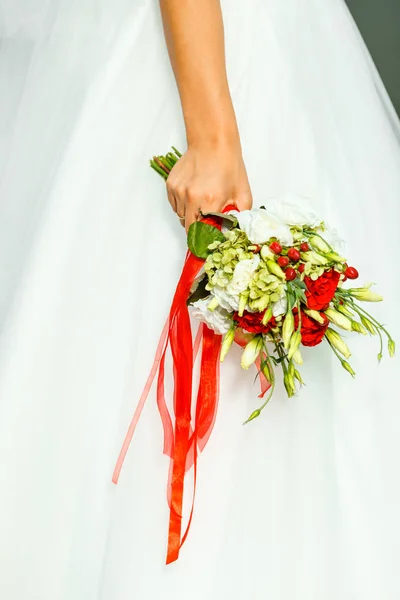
376, 323
158, 169
257, 412
381, 342
299, 315
176, 152
334, 350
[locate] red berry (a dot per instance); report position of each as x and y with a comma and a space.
283, 261
290, 274
351, 273
304, 247
276, 247
301, 268
294, 254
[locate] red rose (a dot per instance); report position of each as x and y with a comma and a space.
319, 293
311, 331
253, 322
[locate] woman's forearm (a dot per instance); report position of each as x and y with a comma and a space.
194, 35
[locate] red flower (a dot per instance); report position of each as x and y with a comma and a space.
253, 322
319, 293
311, 331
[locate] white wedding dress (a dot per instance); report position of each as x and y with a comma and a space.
303, 503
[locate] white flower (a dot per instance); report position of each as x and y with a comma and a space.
260, 226
293, 210
218, 319
242, 275
280, 307
229, 302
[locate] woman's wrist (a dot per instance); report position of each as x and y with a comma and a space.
214, 135
215, 140
212, 124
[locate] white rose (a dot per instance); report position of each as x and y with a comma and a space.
260, 226
218, 320
293, 210
242, 275
226, 300
280, 306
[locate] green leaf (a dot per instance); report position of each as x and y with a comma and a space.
199, 292
302, 297
277, 361
291, 298
200, 236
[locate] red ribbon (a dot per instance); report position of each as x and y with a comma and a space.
181, 440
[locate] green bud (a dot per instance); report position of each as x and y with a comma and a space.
289, 385
243, 298
297, 357
344, 310
266, 370
287, 328
365, 295
291, 369
266, 253
379, 356
253, 415
391, 347
319, 244
356, 326
369, 326
275, 269
337, 342
213, 304
297, 235
251, 351
294, 344
227, 343
314, 258
333, 257
348, 368
338, 319
267, 316
314, 314
298, 377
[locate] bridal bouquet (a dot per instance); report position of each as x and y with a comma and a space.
271, 279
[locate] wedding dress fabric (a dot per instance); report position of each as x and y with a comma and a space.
303, 502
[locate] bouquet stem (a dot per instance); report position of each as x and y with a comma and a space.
163, 164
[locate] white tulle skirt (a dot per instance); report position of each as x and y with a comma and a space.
302, 503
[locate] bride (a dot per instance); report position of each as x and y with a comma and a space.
278, 98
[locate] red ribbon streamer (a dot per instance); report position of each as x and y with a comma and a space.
181, 442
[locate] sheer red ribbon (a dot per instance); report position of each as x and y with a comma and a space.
182, 440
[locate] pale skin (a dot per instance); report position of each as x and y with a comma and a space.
211, 174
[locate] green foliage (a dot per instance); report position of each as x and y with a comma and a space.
200, 236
